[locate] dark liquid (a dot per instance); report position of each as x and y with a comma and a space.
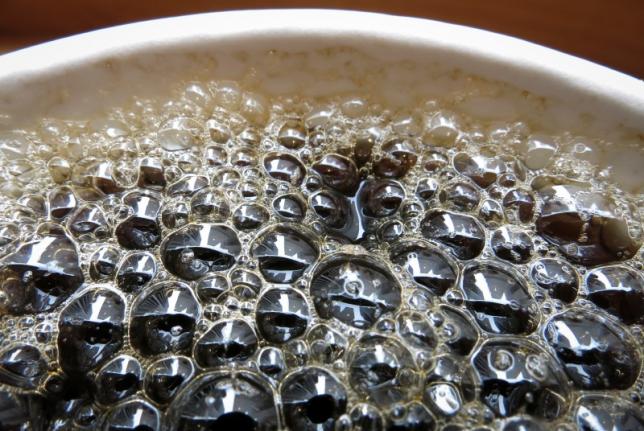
183, 265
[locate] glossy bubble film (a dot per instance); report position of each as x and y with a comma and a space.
225, 260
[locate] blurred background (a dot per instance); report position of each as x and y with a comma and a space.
609, 32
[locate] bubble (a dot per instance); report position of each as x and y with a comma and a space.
460, 196
85, 417
249, 136
140, 230
166, 377
246, 278
33, 205
225, 342
600, 412
416, 331
415, 416
22, 366
411, 209
426, 188
331, 208
118, 379
221, 400
175, 215
196, 249
289, 207
87, 221
595, 354
211, 287
428, 266
363, 148
462, 234
271, 362
253, 108
582, 225
618, 290
188, 185
281, 315
509, 387
381, 198
132, 415
227, 178
512, 244
60, 169
211, 204
338, 172
365, 417
21, 411
327, 345
215, 155
250, 216
480, 169
313, 399
284, 254
539, 153
556, 276
228, 94
284, 167
499, 299
135, 271
354, 290
179, 133
249, 191
434, 161
95, 173
354, 107
376, 364
292, 134
163, 319
319, 116
90, 329
125, 175
443, 399
198, 94
442, 128
398, 156
391, 231
458, 331
507, 180
40, 274
62, 202
519, 206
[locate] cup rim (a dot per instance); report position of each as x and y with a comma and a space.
543, 71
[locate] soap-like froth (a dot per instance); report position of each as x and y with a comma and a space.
225, 260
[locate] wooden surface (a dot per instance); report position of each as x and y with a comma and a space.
610, 32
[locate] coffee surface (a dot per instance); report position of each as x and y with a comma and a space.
228, 260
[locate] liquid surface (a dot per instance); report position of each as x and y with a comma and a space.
224, 260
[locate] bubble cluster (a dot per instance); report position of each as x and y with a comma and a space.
224, 260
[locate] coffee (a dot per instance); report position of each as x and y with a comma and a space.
226, 259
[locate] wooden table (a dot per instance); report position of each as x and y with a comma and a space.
607, 32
